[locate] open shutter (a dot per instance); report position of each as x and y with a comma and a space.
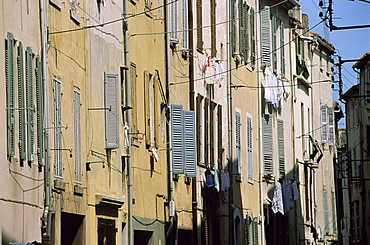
267, 146
249, 144
40, 112
219, 125
326, 212
237, 142
77, 134
9, 69
241, 29
265, 36
173, 22
280, 124
255, 231
190, 153
57, 106
324, 122
253, 38
185, 25
247, 233
22, 105
233, 27
274, 43
333, 215
282, 48
177, 139
111, 111
199, 26
331, 127
213, 28
30, 104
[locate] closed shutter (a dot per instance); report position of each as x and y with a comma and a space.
280, 124
237, 142
282, 48
9, 69
213, 28
177, 139
324, 122
111, 111
219, 125
333, 215
265, 36
30, 104
255, 231
253, 38
249, 144
248, 228
267, 146
189, 130
199, 109
206, 131
212, 134
233, 27
331, 126
185, 25
22, 106
326, 212
40, 112
274, 43
57, 106
77, 135
199, 26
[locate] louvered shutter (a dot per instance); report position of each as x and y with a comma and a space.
219, 125
22, 105
111, 111
241, 29
282, 49
274, 43
177, 129
326, 212
233, 27
253, 38
199, 126
265, 36
267, 146
237, 142
249, 144
10, 93
255, 231
185, 25
77, 134
190, 153
30, 104
173, 21
199, 26
57, 105
247, 233
281, 148
40, 112
147, 83
333, 215
206, 131
331, 126
324, 123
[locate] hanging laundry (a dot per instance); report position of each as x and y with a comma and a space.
271, 89
209, 178
277, 200
216, 179
287, 191
219, 71
295, 191
225, 181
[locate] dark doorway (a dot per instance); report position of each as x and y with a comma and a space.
106, 232
72, 231
142, 237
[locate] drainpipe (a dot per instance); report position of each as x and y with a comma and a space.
47, 169
128, 120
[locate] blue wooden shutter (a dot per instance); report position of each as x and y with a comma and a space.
40, 112
22, 105
177, 139
324, 123
253, 38
30, 104
9, 69
280, 124
77, 134
265, 37
190, 153
237, 142
267, 146
249, 145
57, 105
331, 132
111, 111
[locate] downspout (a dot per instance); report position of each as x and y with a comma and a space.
128, 120
47, 169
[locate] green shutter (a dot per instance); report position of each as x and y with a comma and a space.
326, 212
40, 112
57, 106
77, 134
190, 153
265, 36
280, 124
111, 111
177, 139
22, 106
9, 69
237, 142
267, 146
30, 105
249, 145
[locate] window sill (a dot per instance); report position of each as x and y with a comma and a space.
56, 3
75, 17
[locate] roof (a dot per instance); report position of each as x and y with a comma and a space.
351, 92
324, 40
365, 58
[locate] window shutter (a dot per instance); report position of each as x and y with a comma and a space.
213, 28
199, 26
206, 131
212, 133
10, 93
40, 112
247, 233
326, 212
282, 48
255, 231
250, 152
237, 142
253, 39
57, 105
219, 125
185, 25
281, 148
173, 21
199, 122
22, 105
77, 134
30, 104
177, 139
241, 29
189, 125
331, 126
111, 111
333, 213
267, 146
324, 122
274, 43
265, 36
147, 109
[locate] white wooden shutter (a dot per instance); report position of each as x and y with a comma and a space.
274, 42
77, 134
40, 112
331, 126
233, 27
237, 142
324, 123
57, 106
267, 146
177, 129
282, 48
111, 111
21, 104
190, 152
249, 145
30, 104
185, 25
281, 148
173, 21
9, 69
265, 36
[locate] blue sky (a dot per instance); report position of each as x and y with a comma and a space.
350, 44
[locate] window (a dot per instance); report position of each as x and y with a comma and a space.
183, 141
237, 143
10, 98
327, 124
331, 132
57, 105
281, 148
106, 232
324, 123
149, 94
185, 25
111, 110
173, 22
249, 148
278, 47
267, 144
246, 33
77, 134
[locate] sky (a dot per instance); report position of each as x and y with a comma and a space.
349, 44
